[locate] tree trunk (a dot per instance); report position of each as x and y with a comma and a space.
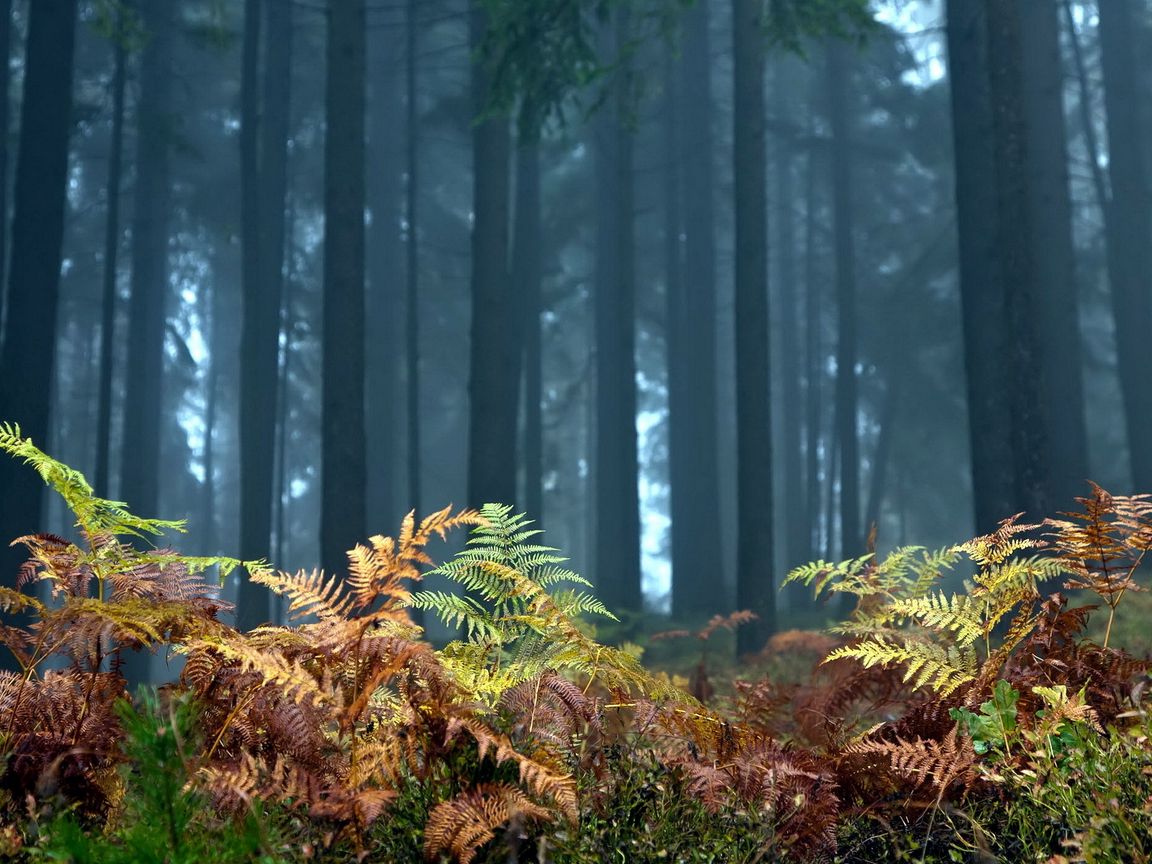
140, 463
795, 522
1128, 221
494, 384
27, 362
527, 273
617, 501
1015, 198
412, 258
986, 342
1050, 215
342, 518
696, 567
843, 229
385, 136
265, 103
5, 112
111, 259
814, 363
754, 588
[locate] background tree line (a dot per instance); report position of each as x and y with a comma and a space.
708, 288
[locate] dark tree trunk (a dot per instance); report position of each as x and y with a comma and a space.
210, 310
986, 342
5, 112
843, 229
265, 104
755, 555
1014, 177
386, 291
696, 568
140, 463
111, 259
27, 362
796, 541
1128, 221
617, 500
342, 518
412, 258
527, 272
1050, 215
494, 384
814, 362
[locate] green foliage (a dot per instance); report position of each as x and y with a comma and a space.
995, 725
900, 621
517, 620
162, 819
545, 53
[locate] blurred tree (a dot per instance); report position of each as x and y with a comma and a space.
342, 519
617, 501
494, 367
27, 361
1128, 227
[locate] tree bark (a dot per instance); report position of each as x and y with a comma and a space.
342, 518
986, 340
412, 258
5, 122
27, 362
1128, 226
796, 543
843, 229
386, 289
527, 273
494, 384
617, 501
1053, 255
140, 463
755, 553
111, 259
696, 561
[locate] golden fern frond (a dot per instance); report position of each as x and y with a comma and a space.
943, 668
290, 676
309, 593
545, 781
957, 613
461, 825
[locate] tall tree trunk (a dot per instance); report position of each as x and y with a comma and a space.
527, 273
1050, 215
617, 507
696, 567
5, 112
982, 291
27, 362
385, 136
843, 229
684, 603
257, 398
1015, 198
1128, 222
494, 383
111, 257
412, 258
342, 517
210, 312
140, 463
755, 553
795, 522
265, 105
814, 361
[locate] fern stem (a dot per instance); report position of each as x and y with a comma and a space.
240, 705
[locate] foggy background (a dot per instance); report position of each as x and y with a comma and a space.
707, 300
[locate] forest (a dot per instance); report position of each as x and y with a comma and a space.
575, 430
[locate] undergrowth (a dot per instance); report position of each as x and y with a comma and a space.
980, 724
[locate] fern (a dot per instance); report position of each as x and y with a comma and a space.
517, 624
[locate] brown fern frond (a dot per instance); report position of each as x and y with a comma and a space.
461, 825
309, 593
937, 763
